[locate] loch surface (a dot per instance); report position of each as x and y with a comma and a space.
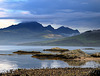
26, 61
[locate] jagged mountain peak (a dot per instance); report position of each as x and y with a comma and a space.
33, 24
37, 27
27, 25
49, 27
67, 30
63, 27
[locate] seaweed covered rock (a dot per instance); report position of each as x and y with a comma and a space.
26, 52
56, 49
96, 54
65, 54
75, 54
47, 56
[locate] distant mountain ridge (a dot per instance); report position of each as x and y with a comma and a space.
33, 31
88, 38
37, 26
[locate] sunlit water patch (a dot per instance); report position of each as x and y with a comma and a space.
6, 65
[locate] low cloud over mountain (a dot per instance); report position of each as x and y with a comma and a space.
33, 31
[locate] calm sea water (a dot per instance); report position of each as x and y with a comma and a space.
26, 61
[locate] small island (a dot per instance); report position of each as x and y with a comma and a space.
56, 49
26, 52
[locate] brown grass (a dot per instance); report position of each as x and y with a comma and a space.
53, 72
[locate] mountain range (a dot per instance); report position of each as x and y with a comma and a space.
33, 31
88, 38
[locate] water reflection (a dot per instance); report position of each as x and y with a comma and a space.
7, 65
53, 64
77, 64
91, 64
98, 61
70, 62
44, 65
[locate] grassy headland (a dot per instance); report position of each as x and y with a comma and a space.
89, 38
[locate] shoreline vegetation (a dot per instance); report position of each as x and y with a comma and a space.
54, 72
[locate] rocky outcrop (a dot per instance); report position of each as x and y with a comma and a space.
26, 52
56, 49
96, 54
72, 54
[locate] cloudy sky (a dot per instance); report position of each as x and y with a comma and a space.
78, 14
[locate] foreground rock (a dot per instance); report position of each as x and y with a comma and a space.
26, 52
54, 72
57, 49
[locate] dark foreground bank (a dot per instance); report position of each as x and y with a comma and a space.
54, 72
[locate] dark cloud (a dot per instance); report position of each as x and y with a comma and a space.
71, 13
